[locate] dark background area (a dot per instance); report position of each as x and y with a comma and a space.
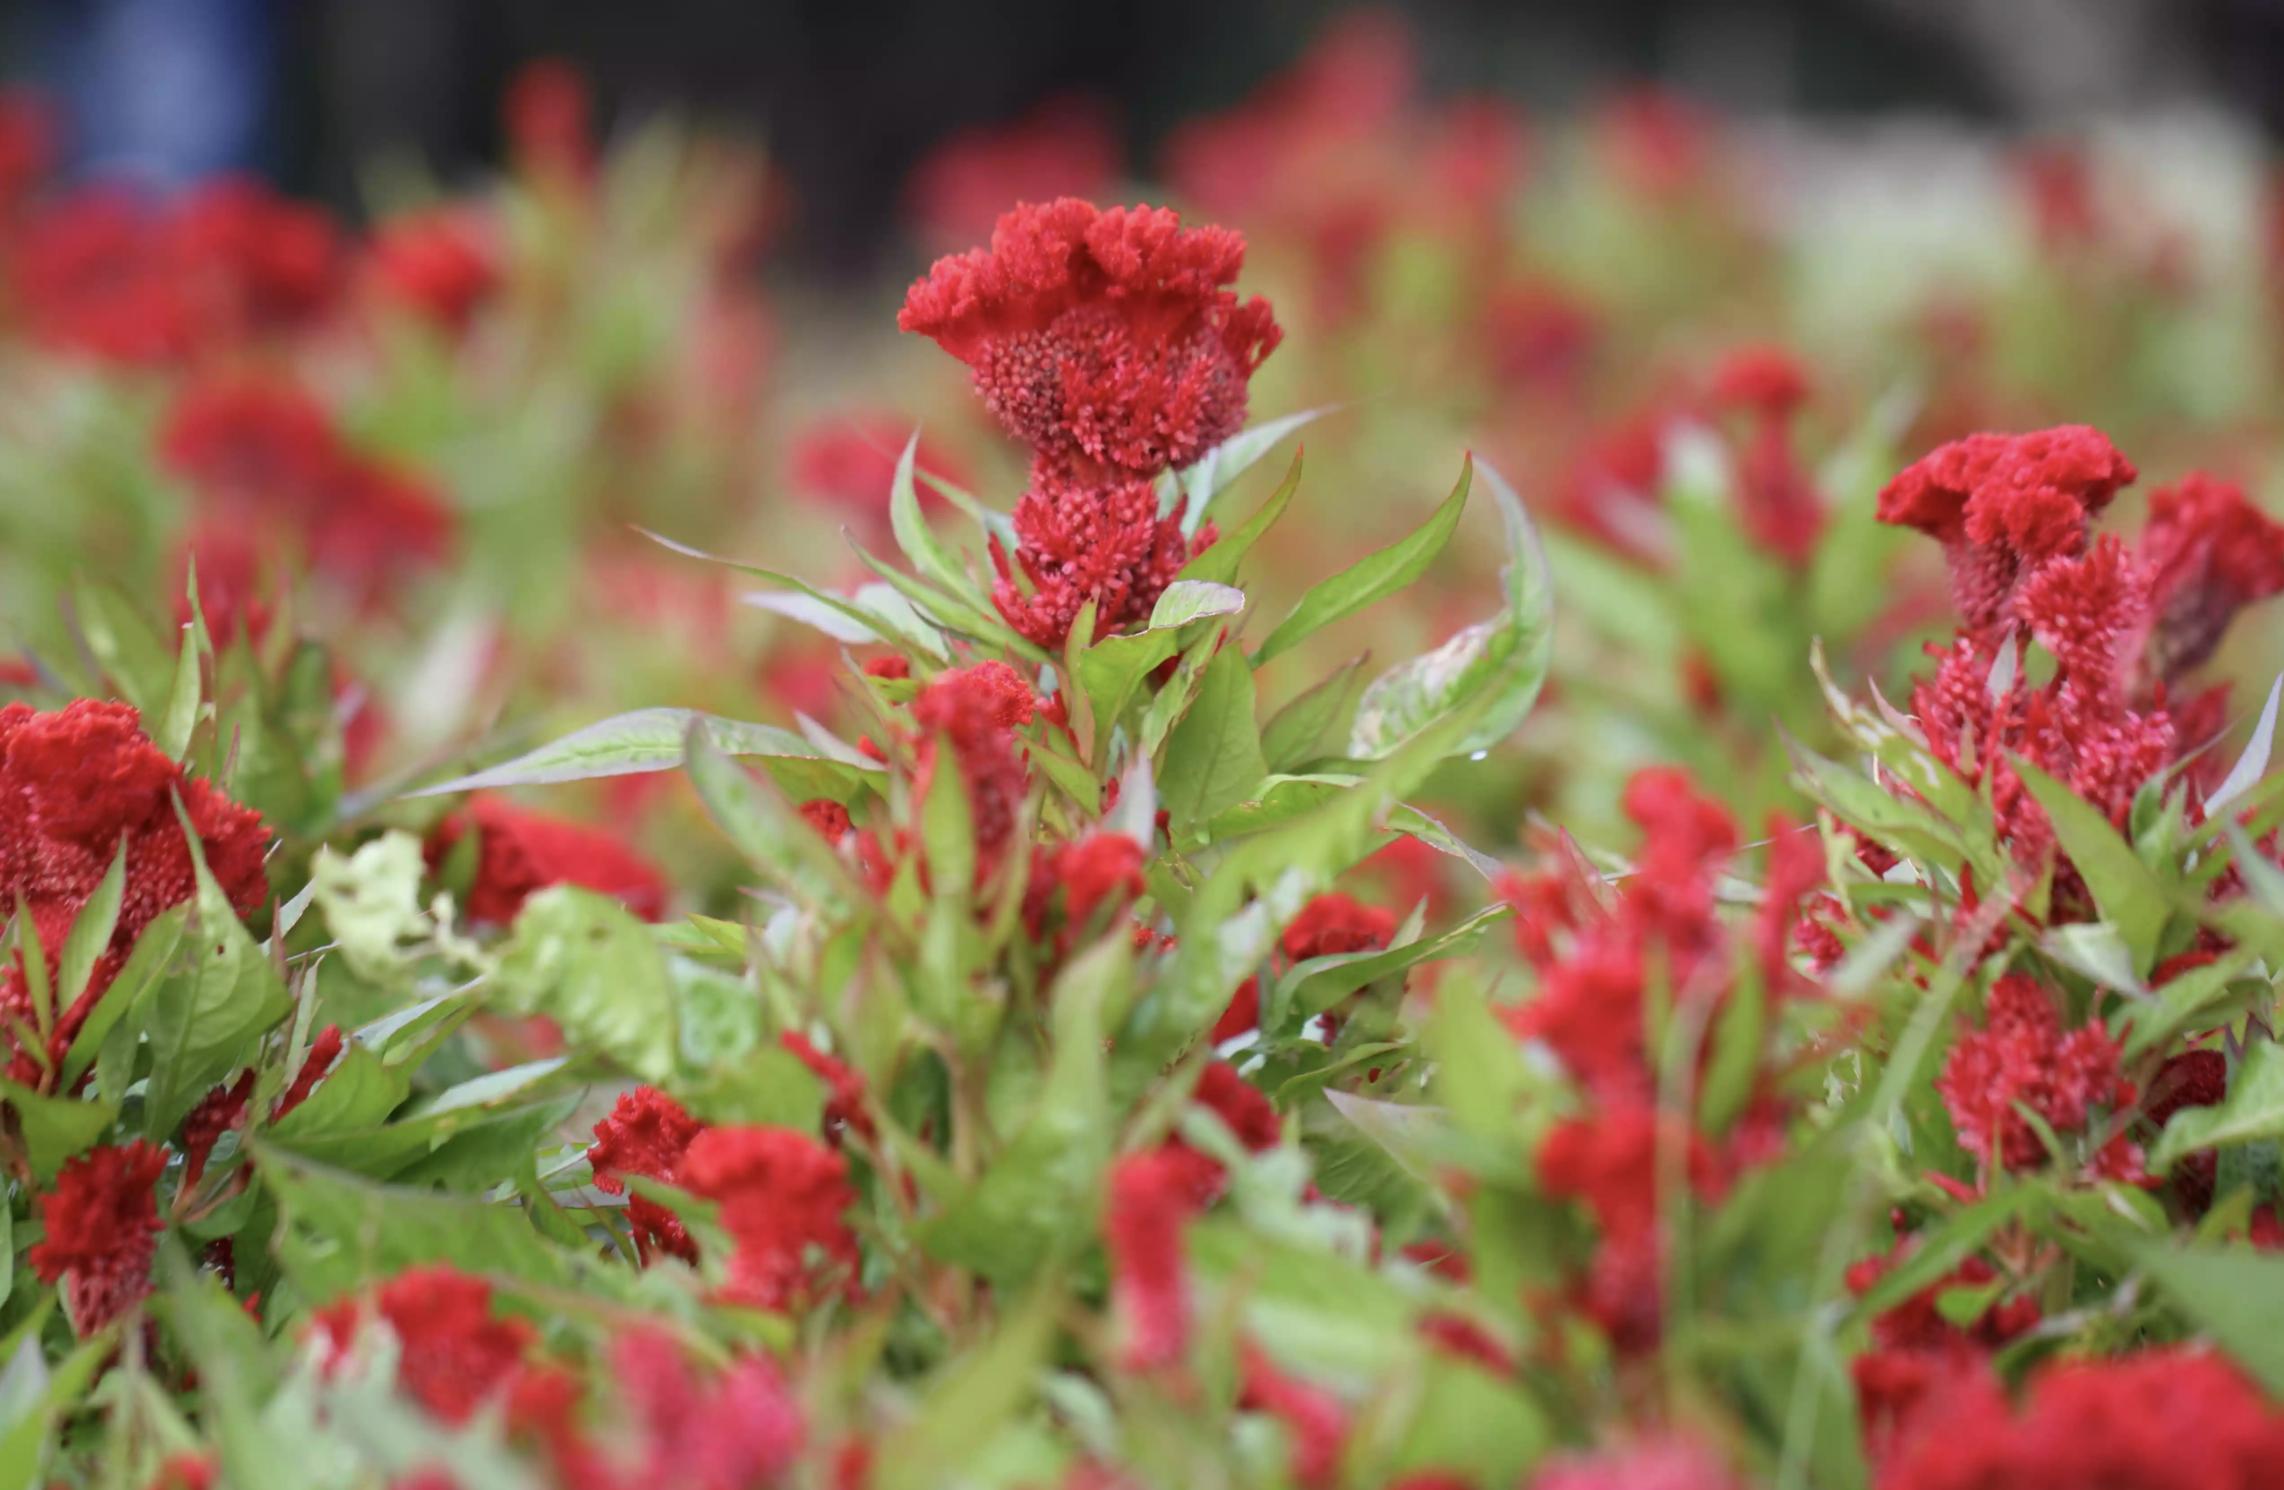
849, 93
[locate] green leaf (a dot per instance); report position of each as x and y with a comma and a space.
772, 836
203, 1024
124, 644
647, 740
1213, 757
770, 1087
176, 725
2252, 1111
1187, 600
2253, 763
971, 1398
1315, 723
1211, 474
371, 903
53, 1394
913, 535
90, 934
154, 952
358, 1093
339, 1230
585, 961
1036, 1201
2129, 895
2186, 1000
1505, 657
2235, 1296
56, 1128
1220, 562
1373, 578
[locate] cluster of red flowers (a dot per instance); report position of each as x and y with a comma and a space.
1330, 925
1597, 953
77, 787
781, 1196
1154, 1194
272, 472
456, 1355
519, 852
2012, 513
101, 1231
107, 274
1107, 341
2022, 1061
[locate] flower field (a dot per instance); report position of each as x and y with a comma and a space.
1502, 804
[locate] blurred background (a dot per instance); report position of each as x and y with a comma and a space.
851, 96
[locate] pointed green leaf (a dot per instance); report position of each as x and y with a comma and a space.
1373, 578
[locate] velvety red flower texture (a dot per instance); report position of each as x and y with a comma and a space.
2021, 1057
520, 852
646, 1133
74, 786
1107, 341
454, 1355
2175, 1419
782, 1197
100, 1232
977, 710
1916, 1353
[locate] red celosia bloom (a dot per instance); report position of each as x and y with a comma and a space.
730, 1430
272, 471
73, 785
2194, 1078
646, 1133
1153, 1195
1243, 1015
1659, 1464
1334, 923
27, 145
100, 1232
439, 265
2175, 1419
1610, 1163
549, 113
1077, 542
453, 1355
2021, 1056
1761, 379
520, 853
847, 463
323, 1052
782, 1196
89, 274
265, 263
828, 817
1778, 502
977, 709
1916, 1352
2001, 505
224, 1108
1316, 1421
1540, 334
2208, 552
2057, 182
186, 1472
844, 1087
1105, 340
1100, 869
1066, 147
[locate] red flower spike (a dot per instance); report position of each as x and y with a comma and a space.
1153, 1195
549, 113
1765, 379
217, 1113
2022, 1056
844, 1087
1103, 338
323, 1052
1334, 923
101, 1231
646, 1133
454, 1356
725, 1431
1658, 1464
782, 1196
441, 266
1081, 541
2003, 504
1316, 1422
2092, 613
978, 709
2170, 1419
520, 852
2209, 553
74, 785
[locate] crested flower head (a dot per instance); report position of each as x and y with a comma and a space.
520, 852
782, 1198
101, 1230
1106, 339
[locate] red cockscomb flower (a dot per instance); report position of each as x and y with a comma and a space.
1316, 1421
2021, 1056
520, 852
74, 786
847, 463
266, 263
1335, 923
548, 111
1657, 1464
844, 1087
2001, 505
100, 1232
2208, 552
2175, 1419
1153, 1195
1107, 340
646, 1133
441, 266
726, 1430
1076, 542
782, 1198
454, 1355
977, 710
89, 274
